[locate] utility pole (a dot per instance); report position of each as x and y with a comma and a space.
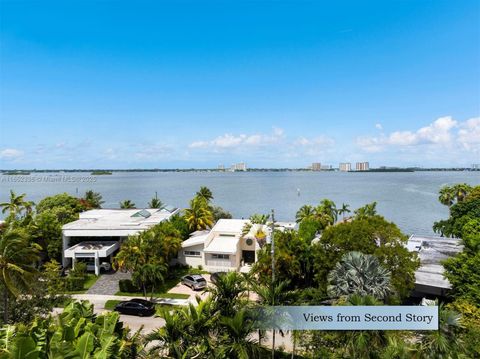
273, 277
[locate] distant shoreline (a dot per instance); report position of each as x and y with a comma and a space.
110, 171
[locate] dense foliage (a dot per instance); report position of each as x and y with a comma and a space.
76, 333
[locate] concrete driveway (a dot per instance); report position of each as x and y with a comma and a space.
183, 289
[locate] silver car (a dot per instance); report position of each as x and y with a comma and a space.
194, 281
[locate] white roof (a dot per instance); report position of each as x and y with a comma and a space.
431, 252
115, 222
223, 245
196, 240
230, 225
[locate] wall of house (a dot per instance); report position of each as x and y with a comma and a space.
243, 246
193, 261
221, 265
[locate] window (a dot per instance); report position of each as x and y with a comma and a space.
192, 253
220, 256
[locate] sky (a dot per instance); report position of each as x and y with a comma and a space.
181, 84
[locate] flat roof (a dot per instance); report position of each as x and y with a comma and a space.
115, 222
431, 252
91, 249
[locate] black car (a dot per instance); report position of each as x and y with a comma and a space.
215, 276
139, 307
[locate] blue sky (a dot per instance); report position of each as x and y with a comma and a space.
273, 83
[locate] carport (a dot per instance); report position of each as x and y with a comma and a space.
95, 250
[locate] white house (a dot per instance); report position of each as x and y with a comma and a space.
224, 248
98, 233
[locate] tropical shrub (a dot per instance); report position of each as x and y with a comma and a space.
76, 333
127, 286
369, 235
73, 283
60, 200
358, 273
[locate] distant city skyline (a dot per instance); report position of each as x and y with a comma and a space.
272, 84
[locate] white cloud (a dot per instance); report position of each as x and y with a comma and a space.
469, 134
379, 126
10, 154
229, 141
439, 132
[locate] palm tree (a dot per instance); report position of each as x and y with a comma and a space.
186, 333
127, 204
460, 191
304, 212
260, 220
237, 343
444, 342
369, 210
131, 254
155, 203
16, 204
149, 273
17, 258
343, 210
171, 337
328, 207
198, 216
361, 274
446, 196
273, 294
93, 199
205, 193
167, 241
227, 293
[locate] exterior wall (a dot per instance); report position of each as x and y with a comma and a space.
221, 265
243, 246
192, 261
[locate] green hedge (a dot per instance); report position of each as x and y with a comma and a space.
74, 283
126, 285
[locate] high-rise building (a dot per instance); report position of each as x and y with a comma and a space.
476, 166
362, 166
221, 167
345, 167
316, 166
241, 166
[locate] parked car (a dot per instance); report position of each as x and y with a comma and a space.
139, 307
194, 281
104, 266
215, 276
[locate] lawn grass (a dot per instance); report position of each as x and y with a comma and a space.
110, 304
155, 295
90, 280
174, 276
